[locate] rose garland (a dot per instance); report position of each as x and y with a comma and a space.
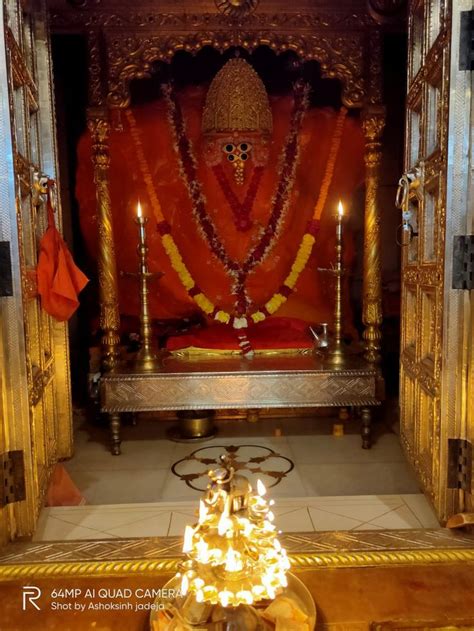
268, 236
305, 248
240, 210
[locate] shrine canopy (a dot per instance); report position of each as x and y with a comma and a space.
241, 186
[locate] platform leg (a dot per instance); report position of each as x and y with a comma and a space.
366, 429
114, 425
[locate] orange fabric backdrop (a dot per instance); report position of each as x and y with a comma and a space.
312, 299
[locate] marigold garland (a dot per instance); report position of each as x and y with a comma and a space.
301, 259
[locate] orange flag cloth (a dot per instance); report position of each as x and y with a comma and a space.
59, 278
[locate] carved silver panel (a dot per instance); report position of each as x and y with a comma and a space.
233, 383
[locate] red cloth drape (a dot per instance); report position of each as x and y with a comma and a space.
313, 299
59, 278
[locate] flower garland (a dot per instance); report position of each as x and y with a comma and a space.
268, 236
239, 320
240, 210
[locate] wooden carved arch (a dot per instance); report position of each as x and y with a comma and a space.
339, 57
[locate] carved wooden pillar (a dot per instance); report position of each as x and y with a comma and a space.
373, 124
109, 310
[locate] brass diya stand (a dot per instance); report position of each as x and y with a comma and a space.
148, 358
235, 574
336, 355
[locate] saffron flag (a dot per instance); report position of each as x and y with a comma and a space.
59, 278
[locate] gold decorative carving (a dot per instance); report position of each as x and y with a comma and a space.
96, 96
39, 382
237, 101
109, 313
427, 275
20, 72
147, 567
420, 371
132, 57
338, 19
23, 173
154, 555
29, 283
236, 8
374, 90
373, 125
387, 11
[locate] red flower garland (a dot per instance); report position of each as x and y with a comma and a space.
240, 210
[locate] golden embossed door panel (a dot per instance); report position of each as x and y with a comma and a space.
435, 318
36, 401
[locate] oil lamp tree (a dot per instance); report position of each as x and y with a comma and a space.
235, 561
234, 555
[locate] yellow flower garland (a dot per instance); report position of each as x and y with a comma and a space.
203, 302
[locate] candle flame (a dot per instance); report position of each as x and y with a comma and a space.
340, 209
261, 490
139, 210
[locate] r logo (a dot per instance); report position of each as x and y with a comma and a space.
30, 595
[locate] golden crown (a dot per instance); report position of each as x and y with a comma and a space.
237, 101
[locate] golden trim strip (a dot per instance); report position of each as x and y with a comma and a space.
300, 562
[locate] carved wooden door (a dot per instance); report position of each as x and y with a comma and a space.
435, 332
36, 403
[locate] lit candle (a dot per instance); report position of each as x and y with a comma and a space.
340, 214
340, 210
139, 211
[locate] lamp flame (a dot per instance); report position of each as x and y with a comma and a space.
340, 210
188, 539
139, 210
202, 511
223, 525
261, 490
184, 585
224, 597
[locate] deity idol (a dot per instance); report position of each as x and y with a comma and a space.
242, 188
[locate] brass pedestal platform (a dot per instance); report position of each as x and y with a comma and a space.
300, 381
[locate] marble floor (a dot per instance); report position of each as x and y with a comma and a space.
305, 514
301, 457
319, 481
